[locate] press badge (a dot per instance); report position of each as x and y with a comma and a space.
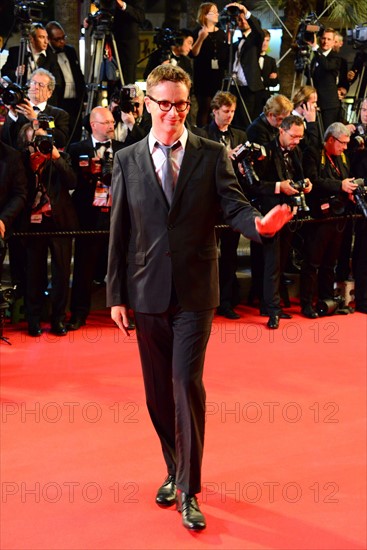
215, 64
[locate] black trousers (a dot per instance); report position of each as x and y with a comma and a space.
359, 264
228, 283
322, 245
37, 277
87, 251
172, 349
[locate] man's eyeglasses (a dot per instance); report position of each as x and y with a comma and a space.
342, 142
300, 138
60, 39
34, 83
106, 123
166, 106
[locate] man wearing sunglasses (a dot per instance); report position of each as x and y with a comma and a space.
167, 190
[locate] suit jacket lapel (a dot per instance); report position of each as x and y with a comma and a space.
192, 157
145, 166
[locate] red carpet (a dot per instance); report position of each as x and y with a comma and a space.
285, 457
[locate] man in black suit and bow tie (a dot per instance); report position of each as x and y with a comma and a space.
41, 86
92, 162
71, 92
163, 263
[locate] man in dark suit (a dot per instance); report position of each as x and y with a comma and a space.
269, 73
246, 69
223, 108
325, 68
92, 162
282, 166
13, 192
163, 263
41, 87
37, 55
70, 96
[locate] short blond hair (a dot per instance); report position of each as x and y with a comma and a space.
168, 73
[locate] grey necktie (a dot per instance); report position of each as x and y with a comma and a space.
168, 182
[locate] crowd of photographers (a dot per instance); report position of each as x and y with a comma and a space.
301, 151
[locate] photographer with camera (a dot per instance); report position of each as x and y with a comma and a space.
127, 107
92, 162
265, 127
41, 86
172, 47
280, 179
329, 170
49, 209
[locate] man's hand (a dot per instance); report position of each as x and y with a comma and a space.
348, 185
25, 108
119, 314
274, 220
287, 189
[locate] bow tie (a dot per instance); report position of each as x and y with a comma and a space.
106, 144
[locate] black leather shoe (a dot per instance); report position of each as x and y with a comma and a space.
167, 493
273, 322
228, 312
192, 518
34, 328
284, 315
58, 328
75, 322
309, 312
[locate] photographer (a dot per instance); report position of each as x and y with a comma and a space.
246, 69
266, 126
280, 180
92, 162
127, 107
329, 171
49, 209
41, 86
305, 106
175, 53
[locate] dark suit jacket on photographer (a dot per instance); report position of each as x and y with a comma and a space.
13, 185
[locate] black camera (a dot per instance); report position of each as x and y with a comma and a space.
125, 101
103, 18
44, 144
24, 10
360, 195
11, 93
357, 36
166, 37
247, 154
100, 169
299, 201
7, 296
228, 17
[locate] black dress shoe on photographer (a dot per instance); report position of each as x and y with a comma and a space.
192, 518
284, 315
273, 322
309, 312
167, 492
75, 322
58, 328
228, 312
34, 328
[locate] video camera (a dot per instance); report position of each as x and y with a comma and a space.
103, 18
166, 37
357, 36
308, 27
11, 93
24, 10
247, 154
228, 17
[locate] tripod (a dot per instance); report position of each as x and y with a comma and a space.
100, 38
232, 80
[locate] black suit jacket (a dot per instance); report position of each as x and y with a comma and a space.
11, 128
90, 217
152, 245
249, 55
260, 131
324, 72
269, 67
13, 184
236, 136
76, 72
270, 170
